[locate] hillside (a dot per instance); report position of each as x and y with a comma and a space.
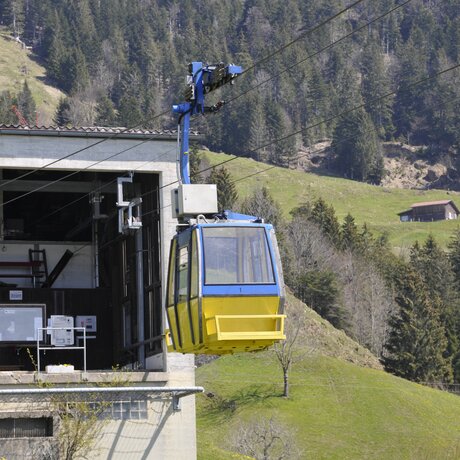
406, 166
357, 72
339, 408
17, 65
376, 205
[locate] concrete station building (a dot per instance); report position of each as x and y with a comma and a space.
62, 256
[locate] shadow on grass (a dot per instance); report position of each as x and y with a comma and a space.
221, 408
257, 393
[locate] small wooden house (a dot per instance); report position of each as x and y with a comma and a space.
429, 211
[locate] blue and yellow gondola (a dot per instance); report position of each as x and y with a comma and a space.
225, 290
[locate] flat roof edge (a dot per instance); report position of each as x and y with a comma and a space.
94, 133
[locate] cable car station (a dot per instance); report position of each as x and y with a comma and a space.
84, 242
86, 217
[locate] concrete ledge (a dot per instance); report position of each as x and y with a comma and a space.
13, 378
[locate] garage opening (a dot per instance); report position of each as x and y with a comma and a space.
60, 247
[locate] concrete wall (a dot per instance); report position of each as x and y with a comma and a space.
27, 151
165, 434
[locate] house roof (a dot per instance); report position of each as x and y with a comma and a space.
435, 203
92, 131
408, 211
429, 203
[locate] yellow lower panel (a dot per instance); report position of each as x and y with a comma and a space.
231, 324
184, 324
236, 306
244, 327
172, 331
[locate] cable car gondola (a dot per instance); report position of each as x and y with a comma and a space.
225, 289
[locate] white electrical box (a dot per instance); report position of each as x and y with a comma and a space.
193, 199
88, 322
64, 336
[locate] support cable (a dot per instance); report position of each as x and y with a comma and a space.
392, 93
325, 120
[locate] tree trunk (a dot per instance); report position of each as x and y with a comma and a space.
286, 383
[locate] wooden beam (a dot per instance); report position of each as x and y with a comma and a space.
55, 187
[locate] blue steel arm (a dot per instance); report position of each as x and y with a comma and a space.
184, 126
202, 80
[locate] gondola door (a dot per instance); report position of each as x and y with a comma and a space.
183, 292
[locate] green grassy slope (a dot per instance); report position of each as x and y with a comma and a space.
342, 405
337, 409
17, 65
378, 206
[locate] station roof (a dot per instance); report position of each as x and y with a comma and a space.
94, 131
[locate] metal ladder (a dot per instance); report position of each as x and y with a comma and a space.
39, 265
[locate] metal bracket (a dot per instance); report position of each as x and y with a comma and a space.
96, 200
129, 212
120, 181
176, 402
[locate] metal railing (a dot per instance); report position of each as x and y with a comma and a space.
59, 347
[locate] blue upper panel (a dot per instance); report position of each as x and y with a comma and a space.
238, 259
241, 290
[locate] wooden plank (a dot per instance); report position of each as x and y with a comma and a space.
34, 263
17, 275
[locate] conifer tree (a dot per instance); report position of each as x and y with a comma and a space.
62, 117
317, 107
77, 74
226, 190
454, 257
320, 290
7, 115
106, 114
55, 50
278, 125
366, 240
195, 165
324, 216
375, 84
342, 78
349, 237
26, 104
129, 112
417, 343
12, 14
434, 267
409, 99
357, 148
258, 130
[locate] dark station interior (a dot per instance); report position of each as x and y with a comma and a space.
68, 217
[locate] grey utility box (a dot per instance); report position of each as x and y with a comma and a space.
190, 200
